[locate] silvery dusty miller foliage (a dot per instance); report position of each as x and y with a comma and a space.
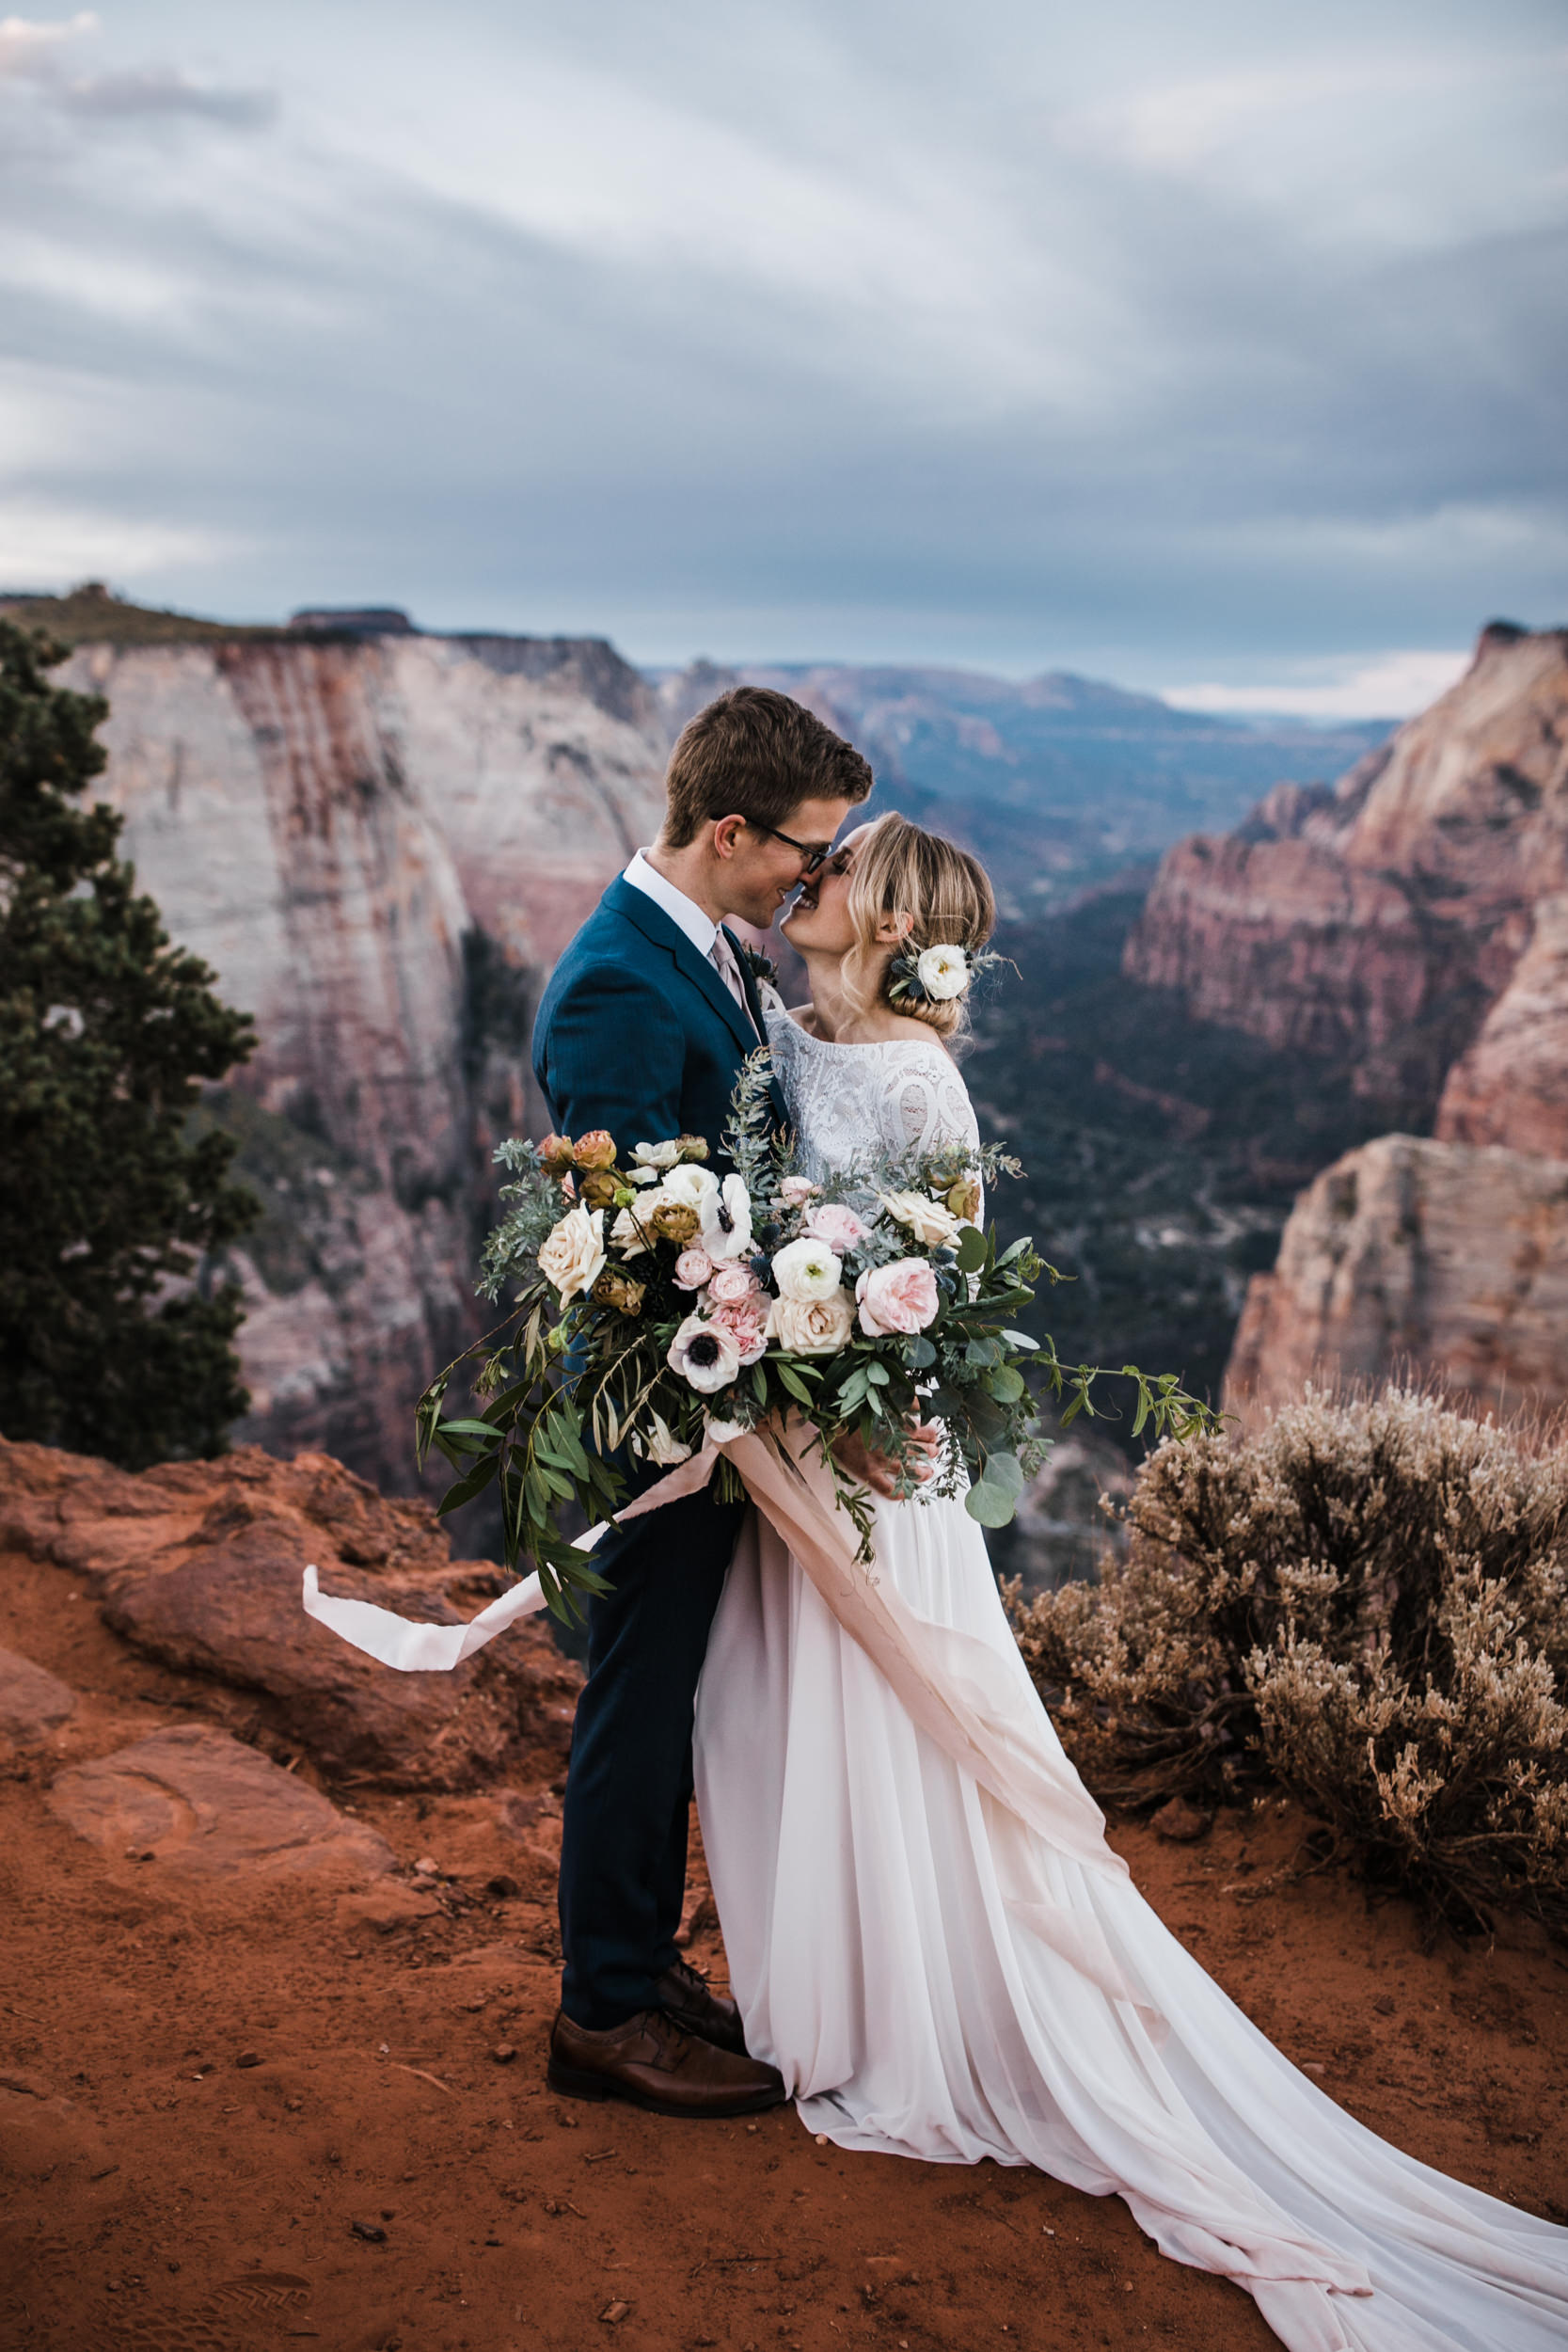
1363, 1606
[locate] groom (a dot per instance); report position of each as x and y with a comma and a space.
643, 1030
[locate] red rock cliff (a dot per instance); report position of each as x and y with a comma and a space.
381, 847
1381, 920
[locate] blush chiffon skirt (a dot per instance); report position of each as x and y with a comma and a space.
869, 1896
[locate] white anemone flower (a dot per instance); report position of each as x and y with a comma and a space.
726, 1215
943, 972
657, 1155
705, 1355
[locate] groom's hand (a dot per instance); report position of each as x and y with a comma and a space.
879, 1470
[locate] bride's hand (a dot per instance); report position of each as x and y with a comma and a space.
879, 1470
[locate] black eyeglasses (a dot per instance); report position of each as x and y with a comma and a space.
815, 854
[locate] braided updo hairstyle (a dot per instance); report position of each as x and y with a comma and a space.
944, 894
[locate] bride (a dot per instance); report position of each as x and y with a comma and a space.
930, 1977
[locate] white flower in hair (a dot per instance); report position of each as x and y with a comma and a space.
943, 972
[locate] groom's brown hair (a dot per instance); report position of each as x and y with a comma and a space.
754, 753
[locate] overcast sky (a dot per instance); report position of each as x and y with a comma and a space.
1217, 350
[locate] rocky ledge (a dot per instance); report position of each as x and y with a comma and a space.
198, 1566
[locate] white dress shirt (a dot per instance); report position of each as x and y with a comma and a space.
683, 911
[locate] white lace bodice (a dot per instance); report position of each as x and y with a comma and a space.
850, 1102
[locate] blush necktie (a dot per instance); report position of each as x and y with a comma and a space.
721, 956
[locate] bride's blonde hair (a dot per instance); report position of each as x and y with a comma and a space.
942, 893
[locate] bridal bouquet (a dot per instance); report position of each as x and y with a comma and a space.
658, 1306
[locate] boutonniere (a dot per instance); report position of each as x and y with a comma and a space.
762, 968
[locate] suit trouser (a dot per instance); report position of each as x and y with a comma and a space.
628, 1786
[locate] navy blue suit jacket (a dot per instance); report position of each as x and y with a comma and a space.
638, 1033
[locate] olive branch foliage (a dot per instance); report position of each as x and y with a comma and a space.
574, 1401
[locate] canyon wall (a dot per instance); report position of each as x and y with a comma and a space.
381, 844
1378, 922
1444, 1262
1412, 923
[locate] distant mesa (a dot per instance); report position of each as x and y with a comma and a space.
354, 620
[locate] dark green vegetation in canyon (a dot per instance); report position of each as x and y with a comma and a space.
1163, 1155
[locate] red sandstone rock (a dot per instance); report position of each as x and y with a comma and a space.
1512, 1086
1444, 1261
198, 1803
1380, 921
199, 1564
33, 1702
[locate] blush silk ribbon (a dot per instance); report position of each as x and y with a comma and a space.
954, 1687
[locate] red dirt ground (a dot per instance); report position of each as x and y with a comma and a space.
162, 2197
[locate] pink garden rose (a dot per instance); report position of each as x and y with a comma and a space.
897, 1297
692, 1269
796, 1190
839, 1226
732, 1285
746, 1324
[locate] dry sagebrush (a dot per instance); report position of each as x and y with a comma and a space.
1363, 1605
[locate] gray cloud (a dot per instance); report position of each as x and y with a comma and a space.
805, 331
166, 90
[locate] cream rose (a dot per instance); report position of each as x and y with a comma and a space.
813, 1327
572, 1256
930, 1221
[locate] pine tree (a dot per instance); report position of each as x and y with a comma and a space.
108, 1203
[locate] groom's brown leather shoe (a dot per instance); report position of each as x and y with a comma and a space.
654, 2063
684, 1993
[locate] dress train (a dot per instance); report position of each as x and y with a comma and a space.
869, 1893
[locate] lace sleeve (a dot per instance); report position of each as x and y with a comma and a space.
925, 1105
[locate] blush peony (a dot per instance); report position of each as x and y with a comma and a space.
693, 1268
839, 1226
899, 1298
732, 1283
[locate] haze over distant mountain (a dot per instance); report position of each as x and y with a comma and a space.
1058, 781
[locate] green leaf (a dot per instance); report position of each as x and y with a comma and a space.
791, 1379
878, 1374
466, 1488
1019, 1339
993, 1506
921, 1351
973, 1249
1006, 1384
469, 1429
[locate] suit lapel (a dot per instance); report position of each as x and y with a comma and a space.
655, 925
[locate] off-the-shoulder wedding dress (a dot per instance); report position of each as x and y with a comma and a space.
937, 1980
